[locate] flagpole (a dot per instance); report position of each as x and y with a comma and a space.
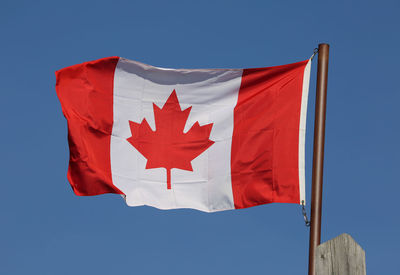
318, 155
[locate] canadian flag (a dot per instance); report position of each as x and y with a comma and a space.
207, 139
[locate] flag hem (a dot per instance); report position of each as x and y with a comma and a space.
302, 131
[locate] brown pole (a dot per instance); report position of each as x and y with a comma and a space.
318, 157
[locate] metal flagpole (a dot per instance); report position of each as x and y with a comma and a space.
318, 156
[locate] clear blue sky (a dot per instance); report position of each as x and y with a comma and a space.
46, 229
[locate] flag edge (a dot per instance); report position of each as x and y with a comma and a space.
302, 131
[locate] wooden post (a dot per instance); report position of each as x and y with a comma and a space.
340, 256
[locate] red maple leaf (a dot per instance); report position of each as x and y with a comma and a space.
168, 146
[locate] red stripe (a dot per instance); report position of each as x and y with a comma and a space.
264, 161
86, 95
